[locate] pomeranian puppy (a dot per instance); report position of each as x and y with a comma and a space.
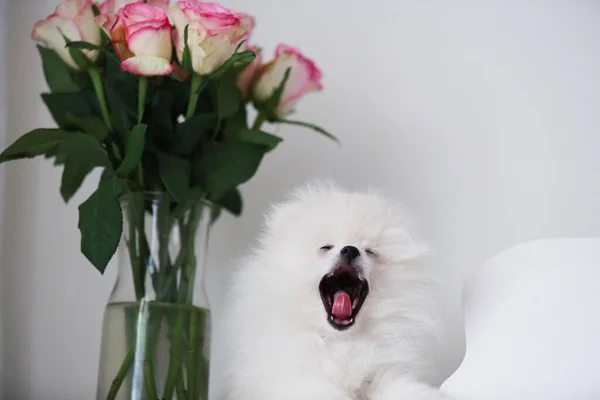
333, 304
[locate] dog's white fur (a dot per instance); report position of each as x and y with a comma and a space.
283, 348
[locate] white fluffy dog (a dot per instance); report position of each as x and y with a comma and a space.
332, 305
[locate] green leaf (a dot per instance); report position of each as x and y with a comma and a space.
189, 133
121, 96
94, 126
80, 153
237, 122
236, 60
105, 49
84, 46
310, 126
76, 54
95, 10
193, 196
229, 98
74, 173
175, 174
101, 224
118, 112
232, 201
82, 148
187, 55
61, 105
59, 158
35, 143
120, 187
134, 148
159, 118
56, 71
239, 46
228, 165
258, 137
106, 40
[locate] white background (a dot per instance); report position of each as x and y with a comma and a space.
3, 42
482, 116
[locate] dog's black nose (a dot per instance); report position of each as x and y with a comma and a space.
350, 252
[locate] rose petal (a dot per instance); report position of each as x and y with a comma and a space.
246, 77
147, 66
304, 77
107, 7
88, 28
210, 53
151, 42
159, 3
179, 22
71, 8
73, 18
49, 32
247, 24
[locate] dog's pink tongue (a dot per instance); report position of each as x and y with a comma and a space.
342, 305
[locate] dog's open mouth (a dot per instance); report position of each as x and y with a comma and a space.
343, 293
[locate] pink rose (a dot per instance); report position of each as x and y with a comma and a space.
248, 24
304, 78
113, 6
212, 16
75, 19
110, 8
246, 77
213, 33
141, 38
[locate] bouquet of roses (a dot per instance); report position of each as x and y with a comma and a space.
157, 97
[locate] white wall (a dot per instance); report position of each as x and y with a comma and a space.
482, 116
3, 32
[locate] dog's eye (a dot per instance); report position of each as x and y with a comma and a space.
371, 252
327, 247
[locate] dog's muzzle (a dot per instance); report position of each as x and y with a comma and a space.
344, 290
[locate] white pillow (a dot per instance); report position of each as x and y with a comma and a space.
532, 322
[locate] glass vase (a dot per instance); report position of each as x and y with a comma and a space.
156, 328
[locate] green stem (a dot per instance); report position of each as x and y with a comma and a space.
202, 365
143, 88
149, 380
174, 356
98, 87
116, 150
180, 387
165, 285
153, 329
194, 95
193, 222
123, 370
217, 129
191, 358
260, 119
134, 257
140, 172
188, 232
144, 251
171, 276
135, 268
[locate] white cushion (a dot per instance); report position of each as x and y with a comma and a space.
532, 322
